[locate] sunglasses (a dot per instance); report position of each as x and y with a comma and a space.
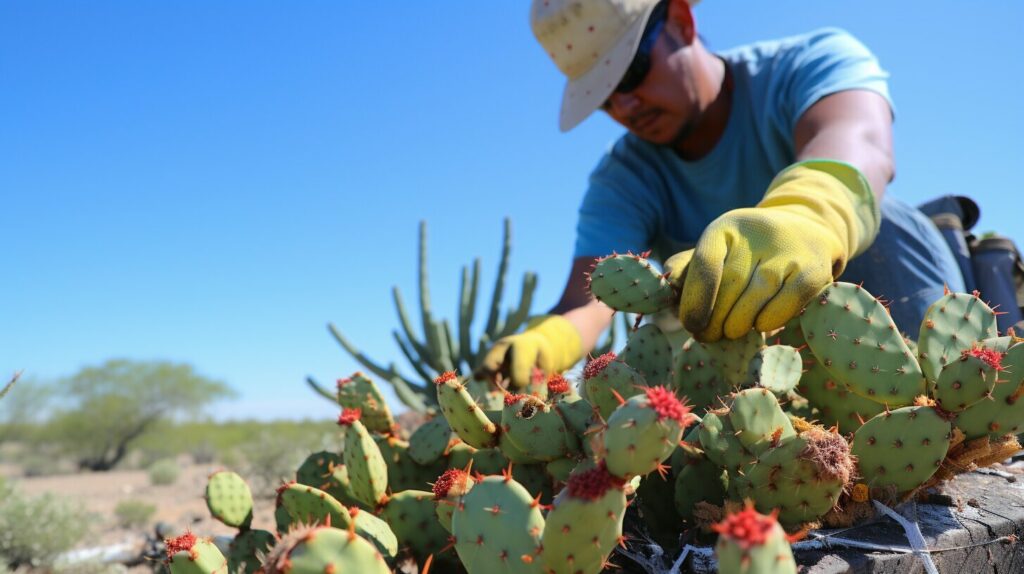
641, 64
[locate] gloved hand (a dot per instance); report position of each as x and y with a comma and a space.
549, 342
757, 267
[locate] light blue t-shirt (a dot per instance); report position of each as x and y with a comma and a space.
643, 196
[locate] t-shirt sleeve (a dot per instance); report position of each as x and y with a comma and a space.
618, 212
831, 60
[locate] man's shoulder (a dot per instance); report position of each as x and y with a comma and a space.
761, 53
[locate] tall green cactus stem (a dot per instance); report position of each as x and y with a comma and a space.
359, 392
803, 477
245, 550
901, 448
605, 377
753, 543
497, 527
644, 431
968, 380
448, 489
321, 549
759, 421
649, 352
187, 554
229, 499
307, 505
366, 468
585, 524
537, 428
412, 517
777, 368
855, 339
951, 325
695, 378
629, 283
466, 417
1003, 412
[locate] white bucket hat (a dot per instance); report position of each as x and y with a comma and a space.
592, 42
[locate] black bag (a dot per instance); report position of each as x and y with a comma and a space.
990, 264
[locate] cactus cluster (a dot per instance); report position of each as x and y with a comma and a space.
740, 439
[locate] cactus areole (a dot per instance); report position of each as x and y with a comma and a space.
454, 481
349, 416
747, 528
665, 403
992, 357
597, 365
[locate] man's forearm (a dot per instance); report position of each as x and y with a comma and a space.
590, 319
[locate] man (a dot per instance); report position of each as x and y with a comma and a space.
756, 175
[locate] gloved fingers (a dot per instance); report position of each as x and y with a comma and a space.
799, 287
522, 357
703, 278
736, 273
494, 360
548, 357
765, 284
675, 268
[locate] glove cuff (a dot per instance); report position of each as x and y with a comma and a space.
861, 217
561, 335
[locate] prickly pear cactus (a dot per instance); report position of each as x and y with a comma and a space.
951, 325
1002, 412
607, 379
630, 283
320, 549
648, 351
229, 499
360, 392
753, 543
188, 554
644, 431
901, 448
466, 417
366, 467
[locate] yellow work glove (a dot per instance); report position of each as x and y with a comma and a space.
549, 342
757, 267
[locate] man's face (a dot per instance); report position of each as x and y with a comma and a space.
663, 108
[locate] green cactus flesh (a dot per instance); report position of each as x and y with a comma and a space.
605, 377
966, 381
560, 469
758, 419
1003, 413
835, 404
696, 379
367, 470
901, 448
753, 543
319, 550
537, 429
377, 532
776, 368
951, 325
429, 442
326, 471
719, 443
732, 357
643, 432
466, 417
414, 520
229, 499
360, 392
403, 472
246, 549
803, 477
630, 283
187, 554
497, 527
308, 505
854, 338
649, 353
585, 524
699, 480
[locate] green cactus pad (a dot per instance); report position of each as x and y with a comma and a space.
630, 283
964, 382
412, 517
430, 441
190, 555
696, 379
229, 499
606, 376
537, 429
855, 339
643, 432
1004, 412
585, 524
732, 357
377, 532
719, 443
359, 392
835, 405
698, 480
777, 368
367, 470
951, 325
487, 461
319, 550
449, 487
326, 471
497, 528
246, 549
802, 478
560, 469
466, 418
759, 421
308, 505
901, 448
649, 353
752, 543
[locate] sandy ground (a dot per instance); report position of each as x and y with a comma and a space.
180, 504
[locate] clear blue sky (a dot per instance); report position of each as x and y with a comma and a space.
213, 182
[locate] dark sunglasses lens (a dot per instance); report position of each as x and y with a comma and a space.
635, 74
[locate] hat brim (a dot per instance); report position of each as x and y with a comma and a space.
586, 93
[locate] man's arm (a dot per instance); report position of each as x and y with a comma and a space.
853, 126
590, 316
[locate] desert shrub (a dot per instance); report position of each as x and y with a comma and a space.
35, 530
164, 472
134, 513
271, 458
